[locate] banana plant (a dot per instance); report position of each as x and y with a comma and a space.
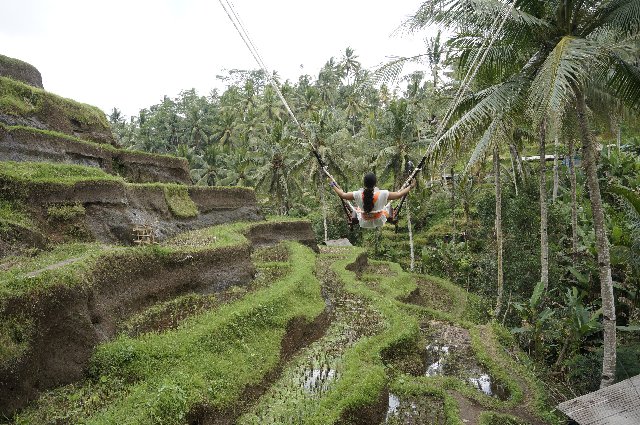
536, 320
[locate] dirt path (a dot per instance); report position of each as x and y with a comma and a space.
54, 266
469, 409
522, 410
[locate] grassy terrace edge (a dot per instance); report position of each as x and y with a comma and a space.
20, 99
162, 377
488, 343
55, 135
17, 282
364, 376
70, 174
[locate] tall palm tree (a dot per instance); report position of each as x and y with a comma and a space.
274, 174
349, 64
552, 57
398, 128
435, 50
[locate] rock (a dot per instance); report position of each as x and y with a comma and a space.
21, 71
338, 242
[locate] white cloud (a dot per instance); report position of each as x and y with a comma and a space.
129, 53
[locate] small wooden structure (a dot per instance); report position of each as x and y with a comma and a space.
143, 234
617, 404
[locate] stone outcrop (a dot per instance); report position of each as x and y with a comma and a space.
21, 71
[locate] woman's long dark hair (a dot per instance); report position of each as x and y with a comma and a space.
367, 195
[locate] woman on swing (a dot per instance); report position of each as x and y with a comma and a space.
372, 204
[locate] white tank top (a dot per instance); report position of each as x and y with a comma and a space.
378, 215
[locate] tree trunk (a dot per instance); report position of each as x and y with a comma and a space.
555, 170
409, 227
498, 225
516, 155
324, 207
453, 206
544, 237
589, 162
513, 173
574, 205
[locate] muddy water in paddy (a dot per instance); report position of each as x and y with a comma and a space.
414, 410
317, 368
447, 352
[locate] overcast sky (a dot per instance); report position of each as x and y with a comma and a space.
129, 53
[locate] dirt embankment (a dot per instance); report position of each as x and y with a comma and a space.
19, 144
111, 209
272, 233
68, 322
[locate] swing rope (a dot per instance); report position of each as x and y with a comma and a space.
464, 87
477, 62
235, 19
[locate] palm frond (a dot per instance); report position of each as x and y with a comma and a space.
632, 198
502, 59
625, 81
470, 14
566, 67
390, 72
482, 147
620, 15
494, 101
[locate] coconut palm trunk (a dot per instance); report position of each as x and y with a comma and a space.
412, 265
544, 235
589, 162
574, 205
498, 224
556, 176
324, 207
453, 206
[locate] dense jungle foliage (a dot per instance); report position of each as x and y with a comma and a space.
363, 120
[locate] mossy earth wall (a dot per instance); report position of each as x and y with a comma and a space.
111, 207
60, 314
29, 144
21, 71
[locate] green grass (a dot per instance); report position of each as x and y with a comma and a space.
14, 212
65, 212
45, 173
179, 202
208, 360
364, 373
492, 418
15, 334
20, 99
215, 236
18, 279
14, 62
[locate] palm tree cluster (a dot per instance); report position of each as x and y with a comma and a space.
558, 73
554, 65
243, 136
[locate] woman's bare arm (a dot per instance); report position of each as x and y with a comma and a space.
341, 193
399, 194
